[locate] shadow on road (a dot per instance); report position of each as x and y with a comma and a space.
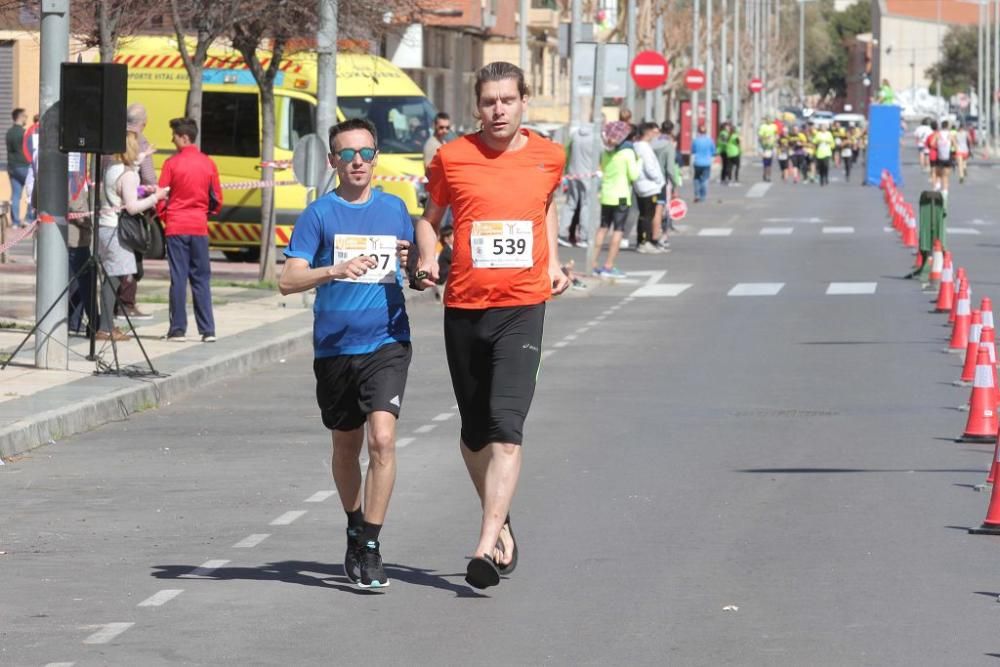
301, 573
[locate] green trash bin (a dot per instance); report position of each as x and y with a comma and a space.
931, 227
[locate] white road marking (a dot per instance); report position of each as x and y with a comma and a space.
251, 541
403, 442
320, 496
838, 230
582, 330
888, 229
60, 664
662, 290
161, 598
758, 190
560, 344
547, 353
776, 231
851, 288
443, 417
756, 289
288, 517
426, 428
625, 281
715, 231
809, 221
962, 230
593, 323
206, 568
569, 337
107, 632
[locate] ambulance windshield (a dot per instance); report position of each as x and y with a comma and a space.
403, 123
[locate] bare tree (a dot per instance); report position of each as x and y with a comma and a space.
105, 22
272, 23
207, 21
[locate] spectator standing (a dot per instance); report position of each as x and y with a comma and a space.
647, 186
580, 188
723, 143
17, 163
665, 148
79, 235
734, 150
442, 128
194, 194
621, 168
702, 155
119, 191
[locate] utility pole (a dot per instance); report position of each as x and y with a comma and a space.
574, 37
709, 29
802, 53
695, 62
52, 271
987, 70
598, 120
756, 61
630, 99
660, 102
937, 85
326, 64
724, 64
736, 65
980, 48
996, 73
777, 42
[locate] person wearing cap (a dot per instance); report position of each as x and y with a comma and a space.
702, 155
620, 169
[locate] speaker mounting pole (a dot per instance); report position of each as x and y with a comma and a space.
52, 270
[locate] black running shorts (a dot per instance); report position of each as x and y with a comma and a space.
352, 386
493, 356
615, 216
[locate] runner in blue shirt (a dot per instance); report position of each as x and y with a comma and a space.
702, 155
349, 245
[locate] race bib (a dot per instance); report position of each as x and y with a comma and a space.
768, 152
846, 152
782, 156
502, 244
382, 249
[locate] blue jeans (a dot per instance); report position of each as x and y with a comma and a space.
18, 175
187, 257
701, 175
79, 288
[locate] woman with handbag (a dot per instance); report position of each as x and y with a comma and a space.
119, 196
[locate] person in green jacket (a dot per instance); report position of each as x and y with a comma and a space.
721, 141
823, 140
733, 152
620, 169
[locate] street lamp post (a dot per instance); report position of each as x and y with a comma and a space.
736, 64
723, 63
695, 62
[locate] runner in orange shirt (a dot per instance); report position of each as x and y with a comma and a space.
499, 183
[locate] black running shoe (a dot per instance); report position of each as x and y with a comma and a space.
372, 574
352, 559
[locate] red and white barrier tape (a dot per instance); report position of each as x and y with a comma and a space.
582, 177
277, 164
255, 185
395, 179
25, 233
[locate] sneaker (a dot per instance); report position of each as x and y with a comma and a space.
564, 242
614, 272
372, 574
582, 244
352, 559
175, 338
115, 334
598, 272
663, 245
648, 248
623, 244
209, 338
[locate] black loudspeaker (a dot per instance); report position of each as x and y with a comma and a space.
92, 102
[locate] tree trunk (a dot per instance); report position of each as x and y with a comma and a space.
106, 24
268, 251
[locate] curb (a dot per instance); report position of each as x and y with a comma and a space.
54, 425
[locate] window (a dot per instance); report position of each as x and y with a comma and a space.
296, 119
230, 124
402, 123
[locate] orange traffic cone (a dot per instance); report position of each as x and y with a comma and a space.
982, 423
992, 475
959, 280
910, 239
946, 290
963, 316
987, 337
991, 524
971, 351
937, 261
986, 306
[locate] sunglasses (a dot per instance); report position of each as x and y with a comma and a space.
347, 154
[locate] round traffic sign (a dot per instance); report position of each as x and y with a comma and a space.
756, 85
694, 79
678, 209
963, 100
649, 70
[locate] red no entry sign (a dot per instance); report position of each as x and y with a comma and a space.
678, 209
694, 79
756, 85
649, 70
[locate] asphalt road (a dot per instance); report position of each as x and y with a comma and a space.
752, 472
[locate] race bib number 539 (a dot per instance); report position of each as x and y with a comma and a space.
382, 249
502, 244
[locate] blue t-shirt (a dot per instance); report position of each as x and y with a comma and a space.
353, 318
703, 149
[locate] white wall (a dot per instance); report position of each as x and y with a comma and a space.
910, 41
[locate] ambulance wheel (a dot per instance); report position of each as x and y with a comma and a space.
242, 255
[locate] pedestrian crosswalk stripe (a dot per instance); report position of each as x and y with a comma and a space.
662, 290
962, 230
758, 190
776, 231
851, 288
756, 289
838, 230
715, 231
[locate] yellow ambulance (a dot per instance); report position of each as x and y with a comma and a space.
230, 130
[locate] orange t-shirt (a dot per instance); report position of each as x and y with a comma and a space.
483, 185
